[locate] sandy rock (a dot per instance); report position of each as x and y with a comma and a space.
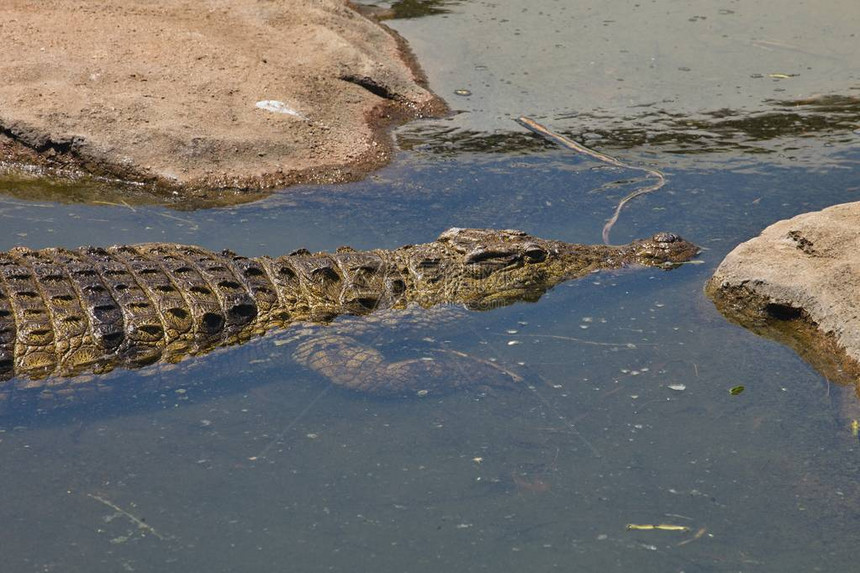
799, 283
167, 92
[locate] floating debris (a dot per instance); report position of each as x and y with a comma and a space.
735, 390
660, 179
140, 523
657, 526
677, 387
698, 535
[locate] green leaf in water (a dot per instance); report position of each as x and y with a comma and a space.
735, 390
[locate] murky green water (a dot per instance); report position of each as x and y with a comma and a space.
249, 463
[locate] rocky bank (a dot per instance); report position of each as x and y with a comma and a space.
799, 283
201, 96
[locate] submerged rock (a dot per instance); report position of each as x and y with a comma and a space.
200, 95
799, 283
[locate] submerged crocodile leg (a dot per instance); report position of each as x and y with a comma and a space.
346, 362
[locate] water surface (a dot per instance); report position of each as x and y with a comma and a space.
249, 463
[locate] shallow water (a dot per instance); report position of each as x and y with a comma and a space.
248, 462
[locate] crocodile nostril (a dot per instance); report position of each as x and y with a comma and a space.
664, 237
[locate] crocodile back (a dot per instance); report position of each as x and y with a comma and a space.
64, 312
92, 309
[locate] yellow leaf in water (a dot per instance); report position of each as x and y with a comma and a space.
670, 527
660, 526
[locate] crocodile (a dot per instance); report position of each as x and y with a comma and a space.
69, 312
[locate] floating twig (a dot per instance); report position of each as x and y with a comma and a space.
656, 527
561, 140
134, 519
193, 225
289, 426
122, 203
24, 203
698, 535
580, 340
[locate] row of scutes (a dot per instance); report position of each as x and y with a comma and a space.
68, 311
65, 311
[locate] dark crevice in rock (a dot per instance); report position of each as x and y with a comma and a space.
39, 142
782, 311
372, 86
787, 325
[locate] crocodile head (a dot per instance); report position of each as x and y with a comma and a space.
499, 267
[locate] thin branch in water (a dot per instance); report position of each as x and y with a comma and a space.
24, 203
561, 140
498, 367
193, 225
608, 226
122, 203
142, 525
293, 422
580, 340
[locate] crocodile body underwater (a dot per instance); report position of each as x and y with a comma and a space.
67, 312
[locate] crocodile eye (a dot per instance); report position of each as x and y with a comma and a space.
534, 254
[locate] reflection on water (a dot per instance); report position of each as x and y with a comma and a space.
246, 460
37, 184
830, 119
406, 8
826, 121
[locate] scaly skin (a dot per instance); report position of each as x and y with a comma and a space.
66, 312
